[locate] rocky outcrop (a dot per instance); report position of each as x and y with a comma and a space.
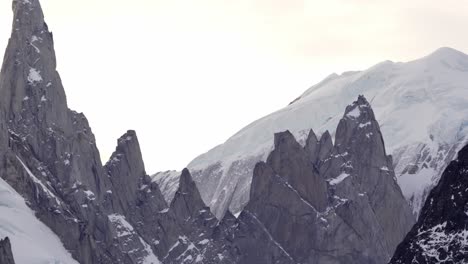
359, 155
6, 255
291, 160
335, 212
189, 229
50, 156
52, 159
440, 235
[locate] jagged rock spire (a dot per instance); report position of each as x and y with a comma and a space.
6, 255
187, 200
34, 105
29, 83
318, 149
359, 159
366, 214
291, 161
126, 171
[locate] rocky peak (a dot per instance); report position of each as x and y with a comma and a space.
358, 124
318, 149
6, 255
30, 85
366, 214
326, 145
441, 233
187, 201
359, 159
126, 171
358, 135
312, 146
34, 105
128, 153
292, 162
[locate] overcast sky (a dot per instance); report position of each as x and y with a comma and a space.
186, 75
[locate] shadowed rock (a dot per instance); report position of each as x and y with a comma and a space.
6, 255
292, 162
440, 234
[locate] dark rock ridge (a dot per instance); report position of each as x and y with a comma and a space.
322, 203
6, 256
441, 234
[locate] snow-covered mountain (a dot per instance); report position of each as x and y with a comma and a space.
422, 106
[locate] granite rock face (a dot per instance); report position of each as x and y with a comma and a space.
359, 154
6, 256
49, 154
441, 235
346, 208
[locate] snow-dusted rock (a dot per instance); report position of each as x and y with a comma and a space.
363, 219
441, 233
422, 106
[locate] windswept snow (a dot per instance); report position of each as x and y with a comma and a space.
32, 241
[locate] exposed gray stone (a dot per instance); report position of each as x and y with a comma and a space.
6, 255
357, 225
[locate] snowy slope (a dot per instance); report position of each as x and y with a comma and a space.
32, 242
168, 182
422, 107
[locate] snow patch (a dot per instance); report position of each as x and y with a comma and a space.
34, 76
90, 194
339, 179
204, 242
355, 113
364, 125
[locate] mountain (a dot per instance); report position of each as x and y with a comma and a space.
441, 235
311, 200
422, 106
340, 209
59, 203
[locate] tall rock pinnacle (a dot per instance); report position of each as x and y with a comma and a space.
6, 256
34, 105
30, 82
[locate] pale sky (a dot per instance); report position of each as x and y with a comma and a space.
186, 75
